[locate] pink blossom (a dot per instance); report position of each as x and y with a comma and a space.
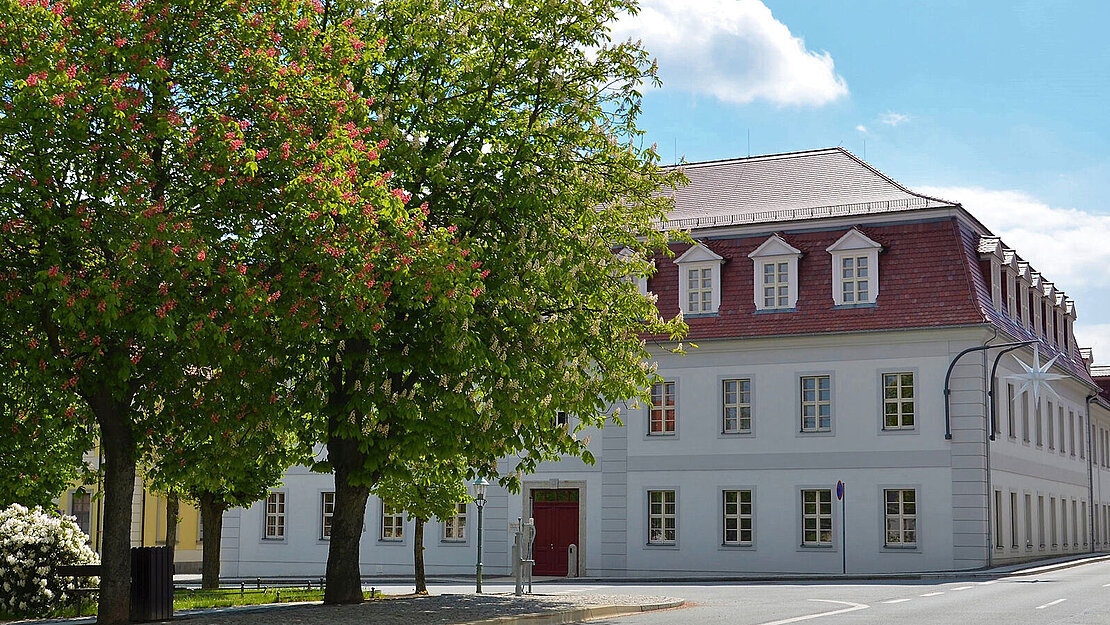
201, 255
261, 154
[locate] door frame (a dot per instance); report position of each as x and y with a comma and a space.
526, 489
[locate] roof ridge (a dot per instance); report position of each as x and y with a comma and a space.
758, 157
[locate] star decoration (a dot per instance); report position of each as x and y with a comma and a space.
1036, 376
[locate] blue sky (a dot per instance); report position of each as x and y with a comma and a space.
1002, 106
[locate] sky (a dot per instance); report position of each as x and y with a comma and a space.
1000, 106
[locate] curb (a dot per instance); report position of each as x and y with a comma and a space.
577, 615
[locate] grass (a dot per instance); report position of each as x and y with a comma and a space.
190, 599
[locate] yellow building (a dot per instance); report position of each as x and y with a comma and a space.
148, 519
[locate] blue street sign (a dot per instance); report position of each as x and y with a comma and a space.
839, 490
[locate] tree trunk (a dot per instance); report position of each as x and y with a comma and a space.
173, 506
117, 441
212, 516
418, 556
344, 578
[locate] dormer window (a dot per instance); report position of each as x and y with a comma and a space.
855, 269
699, 281
776, 274
628, 257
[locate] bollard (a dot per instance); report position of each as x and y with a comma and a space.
373, 591
258, 583
242, 588
572, 560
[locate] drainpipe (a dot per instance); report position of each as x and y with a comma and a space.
1090, 476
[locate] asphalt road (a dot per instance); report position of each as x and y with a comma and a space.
1078, 595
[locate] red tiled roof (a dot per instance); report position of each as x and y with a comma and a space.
923, 272
930, 277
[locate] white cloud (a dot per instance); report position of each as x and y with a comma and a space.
862, 128
1068, 246
733, 50
893, 119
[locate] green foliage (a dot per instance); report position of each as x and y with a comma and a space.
32, 543
431, 488
41, 448
515, 122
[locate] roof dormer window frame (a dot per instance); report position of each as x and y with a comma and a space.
627, 255
775, 276
855, 269
699, 276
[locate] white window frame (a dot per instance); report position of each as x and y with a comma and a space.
454, 526
816, 403
774, 251
660, 521
817, 517
741, 514
327, 512
393, 524
667, 389
900, 518
741, 406
899, 401
274, 516
701, 259
854, 245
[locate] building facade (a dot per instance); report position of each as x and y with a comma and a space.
841, 331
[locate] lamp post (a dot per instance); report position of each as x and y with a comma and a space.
480, 486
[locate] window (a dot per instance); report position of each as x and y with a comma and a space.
1013, 521
327, 510
1050, 429
1052, 520
662, 408
562, 419
1011, 288
699, 290
1083, 515
1025, 417
699, 280
1081, 430
454, 526
998, 538
738, 517
901, 517
854, 280
1028, 521
1063, 523
1063, 426
737, 404
816, 403
80, 506
1040, 519
775, 286
1074, 524
1071, 431
275, 515
817, 518
393, 523
1038, 425
898, 401
855, 260
661, 517
1012, 412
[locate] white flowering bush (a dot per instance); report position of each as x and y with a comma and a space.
32, 542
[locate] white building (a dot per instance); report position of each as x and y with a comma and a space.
827, 303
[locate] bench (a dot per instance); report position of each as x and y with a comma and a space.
78, 571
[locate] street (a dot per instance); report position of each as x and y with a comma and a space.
1078, 595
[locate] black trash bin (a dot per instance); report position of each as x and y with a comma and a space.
151, 584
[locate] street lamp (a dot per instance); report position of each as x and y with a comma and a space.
480, 486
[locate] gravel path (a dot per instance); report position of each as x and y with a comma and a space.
430, 610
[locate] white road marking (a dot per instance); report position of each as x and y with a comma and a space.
961, 588
993, 581
932, 594
853, 608
898, 600
1041, 607
1106, 585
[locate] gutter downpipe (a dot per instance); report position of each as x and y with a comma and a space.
988, 420
1090, 476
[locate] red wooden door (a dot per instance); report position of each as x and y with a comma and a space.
556, 515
